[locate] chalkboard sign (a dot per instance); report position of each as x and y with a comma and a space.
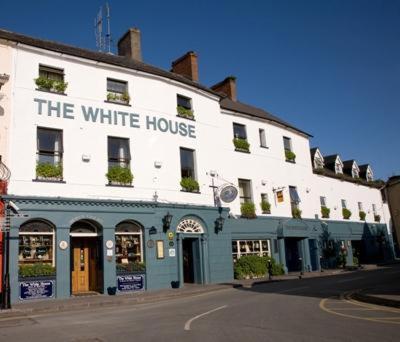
130, 282
36, 289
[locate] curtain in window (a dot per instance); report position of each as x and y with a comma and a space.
294, 196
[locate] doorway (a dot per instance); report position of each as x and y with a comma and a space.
293, 254
191, 260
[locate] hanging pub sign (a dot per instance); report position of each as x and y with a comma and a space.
36, 289
130, 282
279, 196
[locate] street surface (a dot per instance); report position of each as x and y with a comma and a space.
314, 309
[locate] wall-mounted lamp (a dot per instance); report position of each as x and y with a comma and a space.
167, 221
3, 79
219, 224
263, 182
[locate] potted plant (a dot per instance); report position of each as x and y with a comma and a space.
325, 212
346, 213
55, 86
290, 156
241, 144
49, 171
119, 175
185, 112
189, 184
265, 207
36, 270
248, 210
362, 215
296, 213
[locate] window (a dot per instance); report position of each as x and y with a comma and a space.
117, 91
184, 107
263, 142
49, 154
318, 163
338, 167
187, 163
294, 200
355, 173
322, 200
374, 209
344, 204
245, 191
360, 206
239, 131
51, 79
289, 154
118, 152
128, 244
36, 243
250, 247
265, 205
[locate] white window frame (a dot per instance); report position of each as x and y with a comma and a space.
263, 139
247, 245
322, 200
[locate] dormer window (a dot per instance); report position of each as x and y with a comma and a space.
338, 167
369, 176
354, 173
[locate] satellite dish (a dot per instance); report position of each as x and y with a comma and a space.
228, 193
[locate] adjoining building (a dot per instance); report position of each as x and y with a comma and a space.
125, 176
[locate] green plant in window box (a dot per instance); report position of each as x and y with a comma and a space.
49, 171
325, 211
290, 156
377, 218
120, 175
189, 184
248, 210
36, 270
265, 207
346, 213
296, 213
241, 144
131, 267
362, 215
111, 97
185, 112
125, 97
60, 86
48, 84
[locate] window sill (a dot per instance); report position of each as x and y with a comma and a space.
266, 213
118, 103
51, 92
241, 150
266, 147
290, 161
191, 192
121, 185
48, 181
185, 117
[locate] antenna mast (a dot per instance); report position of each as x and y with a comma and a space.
103, 41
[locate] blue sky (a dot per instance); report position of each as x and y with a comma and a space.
332, 67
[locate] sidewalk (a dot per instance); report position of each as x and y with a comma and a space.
386, 295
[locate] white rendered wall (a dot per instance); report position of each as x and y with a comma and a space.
154, 96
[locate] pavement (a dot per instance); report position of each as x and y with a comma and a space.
387, 294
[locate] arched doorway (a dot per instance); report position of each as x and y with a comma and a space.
191, 233
86, 257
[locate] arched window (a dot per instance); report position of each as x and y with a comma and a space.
36, 243
128, 243
190, 226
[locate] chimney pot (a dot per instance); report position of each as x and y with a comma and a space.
129, 45
187, 66
227, 87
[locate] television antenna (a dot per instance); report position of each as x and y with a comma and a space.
103, 40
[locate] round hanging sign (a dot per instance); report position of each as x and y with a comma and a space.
109, 244
228, 193
63, 245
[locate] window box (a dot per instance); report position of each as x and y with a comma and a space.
123, 98
362, 215
37, 270
51, 79
290, 156
189, 184
296, 213
377, 218
119, 175
117, 91
48, 171
346, 213
185, 112
325, 212
241, 145
265, 207
248, 210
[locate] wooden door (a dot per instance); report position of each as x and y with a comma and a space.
80, 271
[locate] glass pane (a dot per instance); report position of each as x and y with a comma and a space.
262, 138
343, 203
184, 102
294, 196
323, 201
35, 248
239, 131
244, 190
116, 86
187, 163
49, 140
118, 148
286, 144
128, 248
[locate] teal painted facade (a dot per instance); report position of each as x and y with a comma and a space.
212, 251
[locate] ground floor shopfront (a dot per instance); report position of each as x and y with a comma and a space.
65, 247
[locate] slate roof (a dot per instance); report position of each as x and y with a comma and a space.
246, 109
129, 63
330, 159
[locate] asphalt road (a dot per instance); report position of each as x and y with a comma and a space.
314, 309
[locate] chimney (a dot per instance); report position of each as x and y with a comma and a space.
227, 87
129, 45
187, 66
